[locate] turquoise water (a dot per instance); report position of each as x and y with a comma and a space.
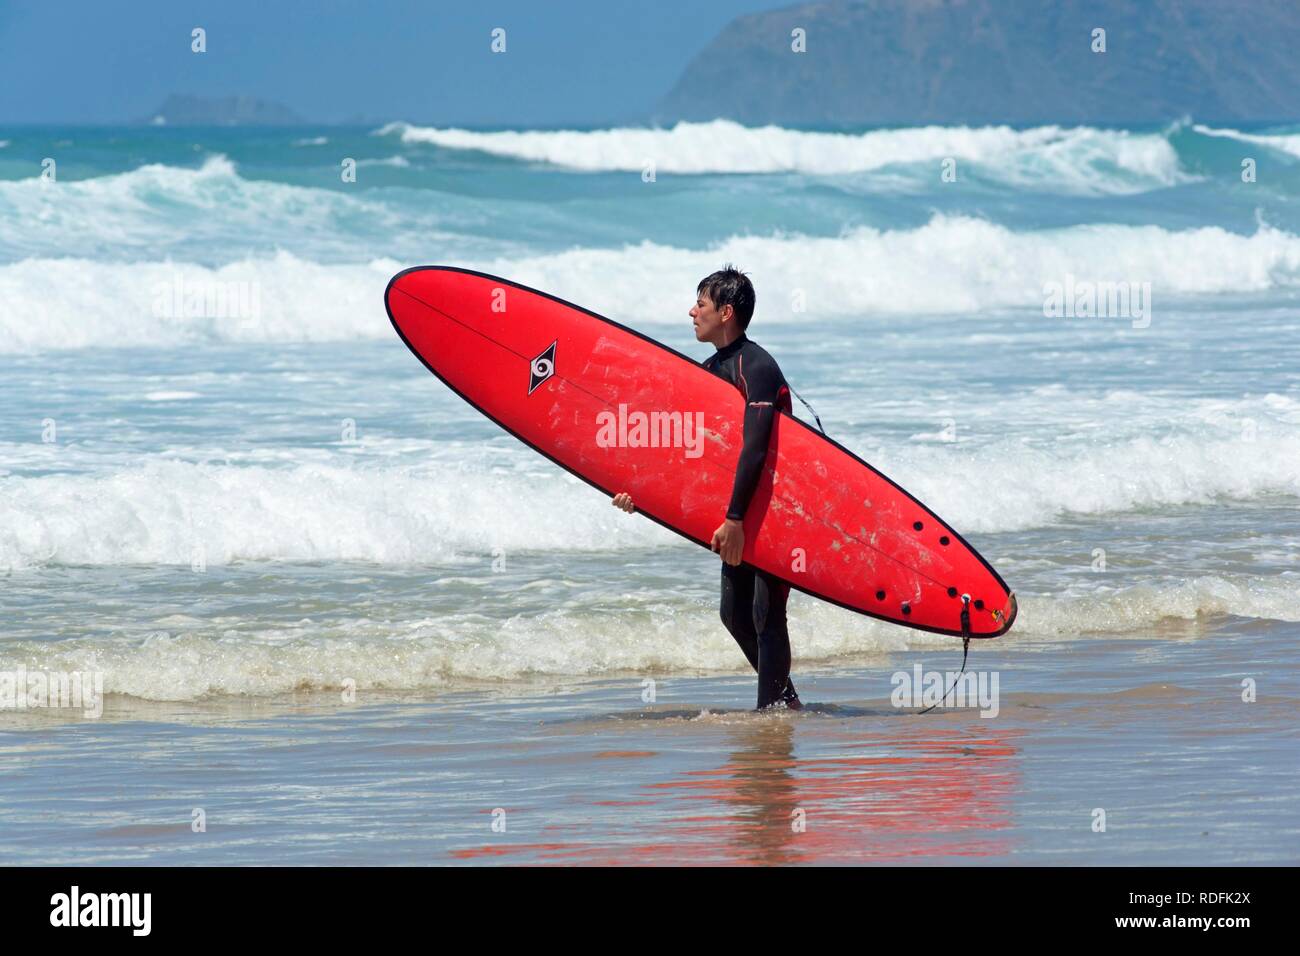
225, 482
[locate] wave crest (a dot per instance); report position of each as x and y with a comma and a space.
1080, 159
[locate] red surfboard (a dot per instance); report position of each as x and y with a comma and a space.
624, 413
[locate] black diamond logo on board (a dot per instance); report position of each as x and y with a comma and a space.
543, 367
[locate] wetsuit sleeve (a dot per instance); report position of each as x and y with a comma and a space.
761, 383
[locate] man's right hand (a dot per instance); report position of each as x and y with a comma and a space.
624, 500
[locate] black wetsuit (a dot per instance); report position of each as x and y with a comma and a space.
753, 601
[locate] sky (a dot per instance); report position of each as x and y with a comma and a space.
579, 62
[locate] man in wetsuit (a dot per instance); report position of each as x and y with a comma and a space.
753, 601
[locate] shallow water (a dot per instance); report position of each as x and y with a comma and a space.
1153, 732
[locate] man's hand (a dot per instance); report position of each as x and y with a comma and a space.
624, 501
729, 541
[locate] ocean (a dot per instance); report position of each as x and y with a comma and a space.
349, 619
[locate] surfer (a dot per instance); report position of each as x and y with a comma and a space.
753, 601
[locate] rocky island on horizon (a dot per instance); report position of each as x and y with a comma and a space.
188, 110
951, 62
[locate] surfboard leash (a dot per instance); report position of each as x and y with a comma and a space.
965, 651
965, 598
812, 411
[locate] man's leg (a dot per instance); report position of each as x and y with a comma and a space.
770, 596
739, 614
737, 608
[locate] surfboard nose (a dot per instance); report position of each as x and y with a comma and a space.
408, 288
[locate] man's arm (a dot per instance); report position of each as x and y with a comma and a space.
761, 384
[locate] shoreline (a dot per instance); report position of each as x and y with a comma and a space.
585, 772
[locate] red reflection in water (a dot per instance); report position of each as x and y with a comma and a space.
929, 792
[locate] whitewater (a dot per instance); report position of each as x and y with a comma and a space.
221, 475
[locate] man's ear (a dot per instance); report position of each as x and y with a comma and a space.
727, 312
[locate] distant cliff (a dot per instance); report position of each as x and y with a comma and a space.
222, 111
988, 61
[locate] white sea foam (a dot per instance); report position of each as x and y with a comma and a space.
1283, 142
191, 658
1010, 485
75, 303
182, 663
1055, 158
175, 513
170, 396
161, 511
1137, 607
950, 265
400, 162
159, 206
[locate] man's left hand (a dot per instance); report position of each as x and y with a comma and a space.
729, 541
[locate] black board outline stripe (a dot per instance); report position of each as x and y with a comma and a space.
685, 358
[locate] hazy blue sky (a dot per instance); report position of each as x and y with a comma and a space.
567, 61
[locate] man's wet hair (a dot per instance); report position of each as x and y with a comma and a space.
730, 286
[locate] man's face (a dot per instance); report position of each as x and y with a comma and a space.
708, 319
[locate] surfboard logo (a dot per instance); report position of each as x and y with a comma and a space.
542, 368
